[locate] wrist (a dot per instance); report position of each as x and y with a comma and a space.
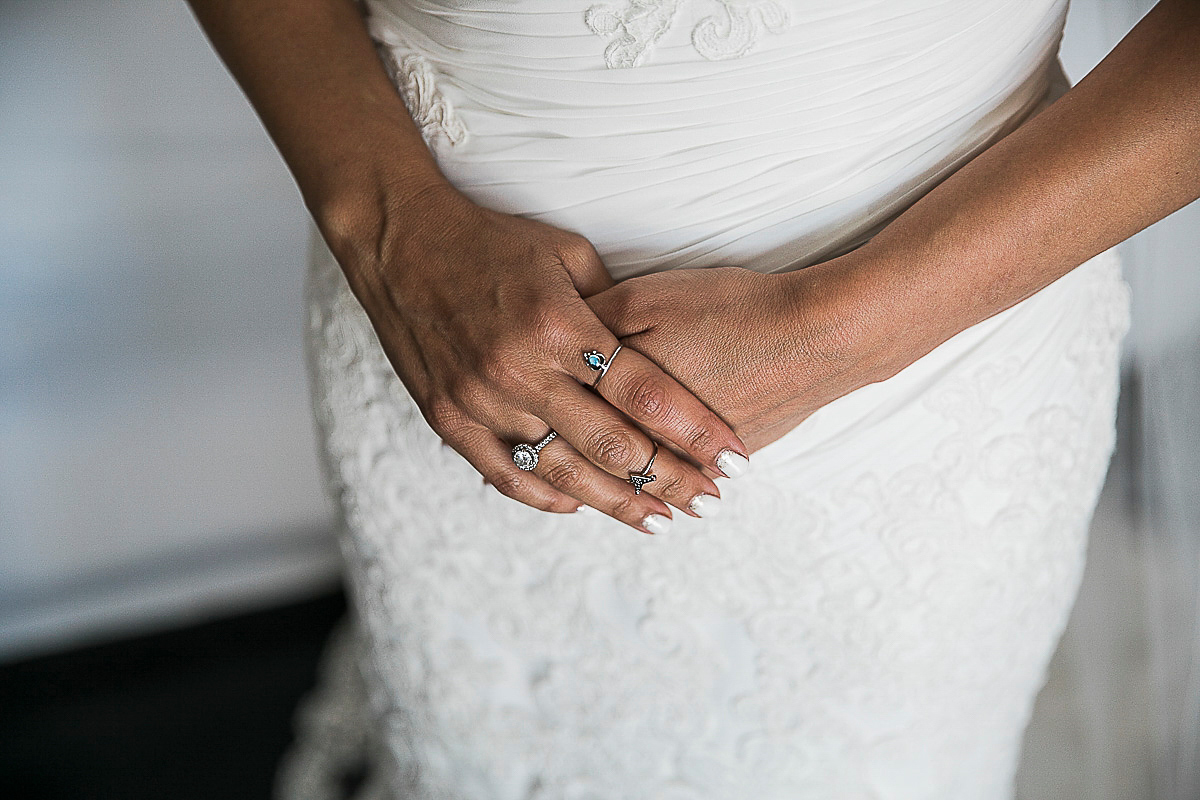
354, 190
375, 210
862, 302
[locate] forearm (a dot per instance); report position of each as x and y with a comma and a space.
311, 72
1116, 153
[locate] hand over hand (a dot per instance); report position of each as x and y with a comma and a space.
480, 314
762, 350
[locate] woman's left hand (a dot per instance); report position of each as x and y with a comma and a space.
763, 351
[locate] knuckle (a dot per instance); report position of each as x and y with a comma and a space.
700, 440
469, 395
612, 447
648, 399
627, 509
577, 249
553, 328
674, 486
564, 475
500, 368
444, 415
509, 484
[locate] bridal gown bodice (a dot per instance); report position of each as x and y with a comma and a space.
871, 615
694, 133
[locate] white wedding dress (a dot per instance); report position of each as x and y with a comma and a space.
872, 614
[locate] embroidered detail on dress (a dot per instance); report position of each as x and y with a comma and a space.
638, 26
414, 78
739, 32
643, 22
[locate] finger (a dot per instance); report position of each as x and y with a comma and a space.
706, 470
657, 402
609, 440
488, 454
566, 469
676, 483
587, 270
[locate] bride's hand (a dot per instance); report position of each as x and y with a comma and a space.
480, 313
762, 350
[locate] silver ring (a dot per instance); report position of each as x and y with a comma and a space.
525, 456
640, 479
598, 363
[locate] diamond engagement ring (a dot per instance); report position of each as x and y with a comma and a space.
640, 479
596, 360
525, 456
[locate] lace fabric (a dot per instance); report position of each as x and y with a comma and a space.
414, 78
731, 33
871, 616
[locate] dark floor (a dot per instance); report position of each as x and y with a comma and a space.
202, 712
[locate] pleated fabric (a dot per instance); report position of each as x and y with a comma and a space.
769, 157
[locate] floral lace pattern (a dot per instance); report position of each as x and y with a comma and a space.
636, 27
414, 76
869, 618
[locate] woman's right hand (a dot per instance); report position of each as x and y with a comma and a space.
480, 313
482, 316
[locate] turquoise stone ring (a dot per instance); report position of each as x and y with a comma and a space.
598, 363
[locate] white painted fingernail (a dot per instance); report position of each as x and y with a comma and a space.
657, 523
732, 464
705, 505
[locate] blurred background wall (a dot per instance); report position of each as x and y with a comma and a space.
157, 460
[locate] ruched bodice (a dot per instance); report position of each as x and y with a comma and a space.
775, 133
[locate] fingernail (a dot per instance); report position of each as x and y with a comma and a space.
732, 464
657, 523
705, 505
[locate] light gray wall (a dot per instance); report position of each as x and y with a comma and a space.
157, 456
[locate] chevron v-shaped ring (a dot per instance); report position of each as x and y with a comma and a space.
640, 479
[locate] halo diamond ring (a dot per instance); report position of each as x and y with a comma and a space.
525, 456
